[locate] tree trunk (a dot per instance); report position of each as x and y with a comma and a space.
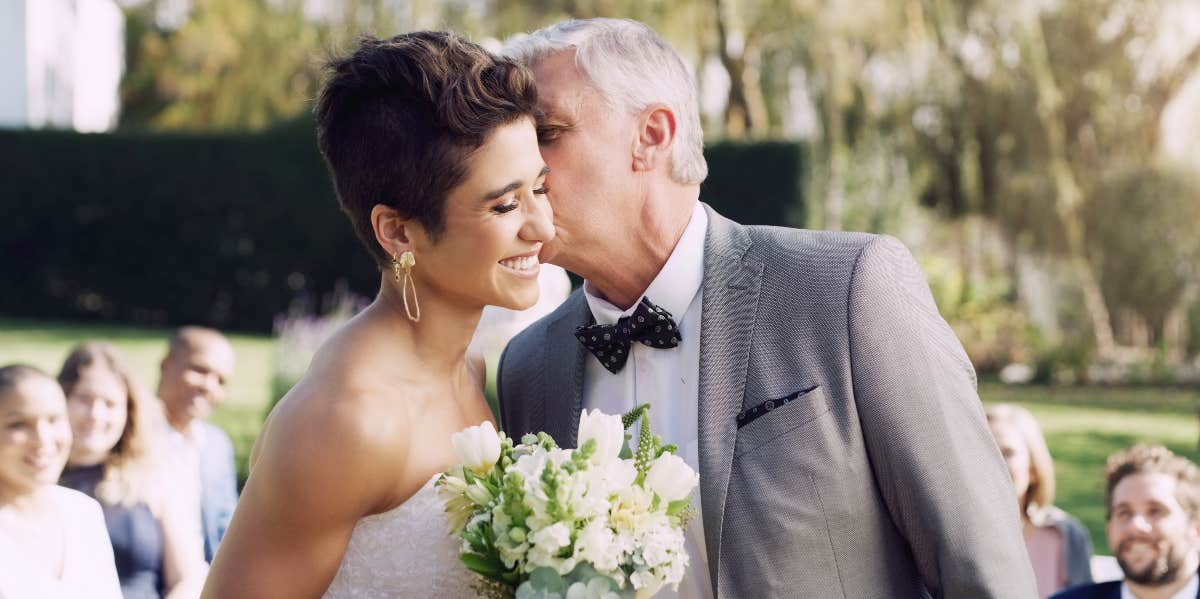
1068, 196
1175, 327
835, 144
738, 116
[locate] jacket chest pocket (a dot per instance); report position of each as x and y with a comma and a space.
766, 419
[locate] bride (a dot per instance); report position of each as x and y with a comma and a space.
434, 155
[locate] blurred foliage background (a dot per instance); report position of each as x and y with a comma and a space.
1036, 154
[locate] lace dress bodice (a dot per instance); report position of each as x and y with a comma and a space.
404, 553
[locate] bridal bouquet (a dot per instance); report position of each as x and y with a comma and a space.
538, 521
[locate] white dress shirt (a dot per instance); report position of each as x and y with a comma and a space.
1187, 592
668, 379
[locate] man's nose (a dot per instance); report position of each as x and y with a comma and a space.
1141, 523
214, 386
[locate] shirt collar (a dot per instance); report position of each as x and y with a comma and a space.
675, 285
1188, 591
194, 435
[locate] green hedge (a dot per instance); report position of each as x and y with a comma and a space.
227, 229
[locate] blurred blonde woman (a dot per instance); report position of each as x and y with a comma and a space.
52, 540
1058, 544
117, 458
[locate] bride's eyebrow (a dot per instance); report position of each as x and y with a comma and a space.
495, 195
515, 185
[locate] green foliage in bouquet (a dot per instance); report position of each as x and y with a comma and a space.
584, 582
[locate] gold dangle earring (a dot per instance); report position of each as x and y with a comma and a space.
405, 262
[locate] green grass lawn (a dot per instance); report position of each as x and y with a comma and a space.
1082, 425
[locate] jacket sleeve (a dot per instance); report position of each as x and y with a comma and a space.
933, 457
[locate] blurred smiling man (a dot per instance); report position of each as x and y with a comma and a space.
1153, 526
192, 381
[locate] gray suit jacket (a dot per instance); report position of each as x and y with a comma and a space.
880, 480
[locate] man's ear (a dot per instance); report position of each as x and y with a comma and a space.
392, 231
656, 135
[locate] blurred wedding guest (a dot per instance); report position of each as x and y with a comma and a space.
117, 458
1059, 546
1153, 509
52, 539
192, 381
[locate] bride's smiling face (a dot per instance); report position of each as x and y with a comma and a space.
496, 221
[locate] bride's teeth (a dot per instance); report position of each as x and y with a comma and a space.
523, 263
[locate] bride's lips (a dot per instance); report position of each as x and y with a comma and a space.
43, 462
524, 265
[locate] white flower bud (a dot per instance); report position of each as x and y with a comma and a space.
478, 447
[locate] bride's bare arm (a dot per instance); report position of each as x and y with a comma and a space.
317, 471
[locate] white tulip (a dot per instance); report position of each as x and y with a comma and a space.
478, 447
606, 431
671, 478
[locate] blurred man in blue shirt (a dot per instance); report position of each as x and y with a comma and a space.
192, 383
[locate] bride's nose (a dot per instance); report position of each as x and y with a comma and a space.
539, 221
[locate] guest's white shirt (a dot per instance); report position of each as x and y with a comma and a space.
184, 466
668, 379
1187, 592
87, 568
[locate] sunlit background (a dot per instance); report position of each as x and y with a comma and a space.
1038, 156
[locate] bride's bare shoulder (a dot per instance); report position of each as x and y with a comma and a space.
340, 413
325, 435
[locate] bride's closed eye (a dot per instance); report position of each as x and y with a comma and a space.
508, 206
513, 203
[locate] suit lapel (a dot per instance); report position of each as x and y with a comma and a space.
731, 285
563, 357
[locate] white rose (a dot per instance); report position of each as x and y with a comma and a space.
671, 478
478, 447
606, 431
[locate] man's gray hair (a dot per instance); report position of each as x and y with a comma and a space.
632, 67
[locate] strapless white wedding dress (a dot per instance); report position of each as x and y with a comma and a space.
404, 553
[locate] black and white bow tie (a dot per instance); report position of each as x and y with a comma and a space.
610, 343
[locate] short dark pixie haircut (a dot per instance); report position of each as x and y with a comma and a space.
398, 118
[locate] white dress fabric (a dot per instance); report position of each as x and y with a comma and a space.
404, 553
87, 570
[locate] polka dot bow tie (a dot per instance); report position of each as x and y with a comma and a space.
610, 343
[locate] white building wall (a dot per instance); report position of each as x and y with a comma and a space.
60, 63
99, 62
13, 104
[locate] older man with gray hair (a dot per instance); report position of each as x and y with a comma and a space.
830, 410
